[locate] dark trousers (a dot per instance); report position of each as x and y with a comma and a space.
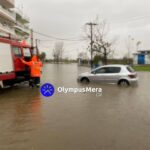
34, 81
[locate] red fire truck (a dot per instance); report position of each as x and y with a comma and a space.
12, 70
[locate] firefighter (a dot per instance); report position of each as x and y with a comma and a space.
35, 71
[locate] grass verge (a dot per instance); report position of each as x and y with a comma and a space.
141, 68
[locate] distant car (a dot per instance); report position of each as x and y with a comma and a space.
119, 74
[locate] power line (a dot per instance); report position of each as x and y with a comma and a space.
77, 40
133, 18
66, 45
56, 38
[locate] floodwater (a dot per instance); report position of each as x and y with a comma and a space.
117, 120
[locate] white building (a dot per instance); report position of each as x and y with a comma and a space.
22, 29
7, 18
142, 57
13, 22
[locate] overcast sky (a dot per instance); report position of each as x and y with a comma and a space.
66, 18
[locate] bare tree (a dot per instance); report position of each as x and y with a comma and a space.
101, 42
58, 51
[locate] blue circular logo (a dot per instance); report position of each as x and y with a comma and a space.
47, 90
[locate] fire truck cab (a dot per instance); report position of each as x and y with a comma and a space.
12, 70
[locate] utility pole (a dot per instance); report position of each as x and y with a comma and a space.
37, 49
91, 30
32, 40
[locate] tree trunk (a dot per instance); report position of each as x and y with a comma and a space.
105, 56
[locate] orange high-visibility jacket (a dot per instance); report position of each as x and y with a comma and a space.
35, 66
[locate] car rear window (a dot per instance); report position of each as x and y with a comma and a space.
130, 69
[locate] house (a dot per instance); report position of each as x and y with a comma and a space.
142, 57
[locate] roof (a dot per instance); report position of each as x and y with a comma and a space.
136, 53
143, 50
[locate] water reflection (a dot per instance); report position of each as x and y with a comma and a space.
20, 113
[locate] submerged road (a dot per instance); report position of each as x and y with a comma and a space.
117, 120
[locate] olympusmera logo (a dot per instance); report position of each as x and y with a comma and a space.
65, 90
47, 90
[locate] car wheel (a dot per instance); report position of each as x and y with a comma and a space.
123, 83
85, 80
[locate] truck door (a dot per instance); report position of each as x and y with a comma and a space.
17, 53
27, 57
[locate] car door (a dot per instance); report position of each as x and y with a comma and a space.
99, 74
112, 74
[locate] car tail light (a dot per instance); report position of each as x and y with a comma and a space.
132, 75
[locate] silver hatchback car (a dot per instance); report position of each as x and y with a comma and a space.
119, 74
